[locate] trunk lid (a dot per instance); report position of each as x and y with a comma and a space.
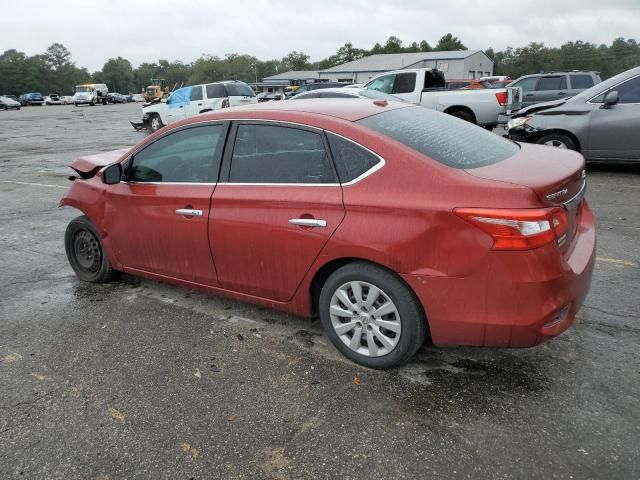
88, 165
556, 176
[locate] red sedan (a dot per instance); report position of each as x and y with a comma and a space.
391, 222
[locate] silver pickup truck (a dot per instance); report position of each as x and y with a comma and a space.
425, 86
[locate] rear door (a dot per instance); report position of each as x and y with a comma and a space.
551, 87
157, 219
214, 95
278, 205
405, 86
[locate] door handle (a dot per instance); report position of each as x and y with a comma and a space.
562, 93
308, 222
200, 104
189, 212
528, 94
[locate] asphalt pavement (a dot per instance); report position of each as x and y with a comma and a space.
137, 379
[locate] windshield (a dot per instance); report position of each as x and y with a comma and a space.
83, 88
606, 85
443, 138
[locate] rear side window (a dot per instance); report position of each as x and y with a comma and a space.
188, 156
558, 82
216, 90
275, 154
581, 81
239, 90
196, 93
351, 160
443, 138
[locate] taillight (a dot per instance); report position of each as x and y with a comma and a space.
502, 98
225, 103
518, 229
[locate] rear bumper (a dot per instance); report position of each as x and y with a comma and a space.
516, 299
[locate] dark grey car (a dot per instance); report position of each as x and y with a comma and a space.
602, 123
545, 87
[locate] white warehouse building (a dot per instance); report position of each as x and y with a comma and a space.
460, 64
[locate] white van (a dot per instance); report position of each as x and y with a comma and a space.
189, 101
90, 93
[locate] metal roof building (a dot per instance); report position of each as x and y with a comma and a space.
294, 75
455, 64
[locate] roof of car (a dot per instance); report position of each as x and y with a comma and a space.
349, 110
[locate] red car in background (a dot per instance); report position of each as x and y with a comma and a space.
390, 221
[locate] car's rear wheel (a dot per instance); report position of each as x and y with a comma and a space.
4, 107
371, 316
155, 123
85, 252
557, 140
463, 115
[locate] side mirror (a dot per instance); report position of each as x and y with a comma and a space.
112, 174
610, 99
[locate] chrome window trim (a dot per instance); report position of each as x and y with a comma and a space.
612, 88
574, 201
381, 163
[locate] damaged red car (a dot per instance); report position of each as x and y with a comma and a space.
393, 223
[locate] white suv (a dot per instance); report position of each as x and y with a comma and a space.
189, 101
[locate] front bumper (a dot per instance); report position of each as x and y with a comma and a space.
516, 299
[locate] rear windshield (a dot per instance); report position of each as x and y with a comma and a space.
443, 138
239, 90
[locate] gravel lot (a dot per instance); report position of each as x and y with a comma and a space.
137, 379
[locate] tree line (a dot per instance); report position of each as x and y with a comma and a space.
54, 70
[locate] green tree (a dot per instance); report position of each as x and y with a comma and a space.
117, 73
449, 42
296, 61
425, 47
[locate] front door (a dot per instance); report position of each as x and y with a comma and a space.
157, 218
278, 205
177, 105
613, 131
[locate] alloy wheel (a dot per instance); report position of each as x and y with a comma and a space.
365, 319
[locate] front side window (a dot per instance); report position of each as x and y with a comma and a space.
351, 160
196, 93
441, 137
552, 83
406, 83
629, 91
527, 84
275, 154
187, 156
382, 84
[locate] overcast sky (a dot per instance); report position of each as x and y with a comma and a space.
145, 31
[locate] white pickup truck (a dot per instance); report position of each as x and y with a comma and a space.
425, 86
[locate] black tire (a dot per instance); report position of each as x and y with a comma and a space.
4, 107
463, 115
411, 317
76, 104
85, 252
557, 140
155, 123
91, 104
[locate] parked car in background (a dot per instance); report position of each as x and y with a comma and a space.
130, 98
31, 99
7, 103
545, 87
138, 97
186, 102
307, 87
349, 93
421, 225
52, 99
12, 97
425, 86
66, 100
90, 94
117, 98
602, 122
